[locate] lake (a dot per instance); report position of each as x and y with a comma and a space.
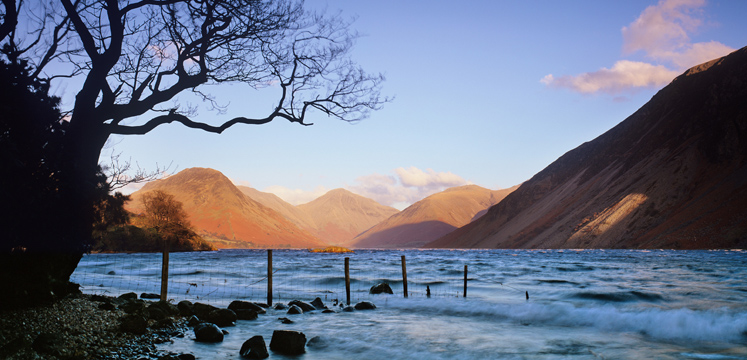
582, 304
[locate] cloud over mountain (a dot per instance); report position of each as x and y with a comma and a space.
410, 185
662, 34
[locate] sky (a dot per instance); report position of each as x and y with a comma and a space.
485, 92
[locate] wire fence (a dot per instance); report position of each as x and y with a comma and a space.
224, 276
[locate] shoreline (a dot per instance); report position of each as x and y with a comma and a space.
80, 327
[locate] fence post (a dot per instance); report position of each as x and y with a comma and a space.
465, 280
269, 277
165, 272
404, 275
347, 278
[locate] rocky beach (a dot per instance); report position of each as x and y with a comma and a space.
86, 327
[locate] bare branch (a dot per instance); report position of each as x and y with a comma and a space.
120, 173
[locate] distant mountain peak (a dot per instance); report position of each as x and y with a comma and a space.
340, 215
222, 214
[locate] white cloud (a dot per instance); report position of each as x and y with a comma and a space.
410, 185
661, 32
296, 196
622, 76
429, 178
662, 27
241, 182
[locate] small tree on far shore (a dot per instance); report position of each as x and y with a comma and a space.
166, 215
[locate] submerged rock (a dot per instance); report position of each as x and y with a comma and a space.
288, 342
254, 348
365, 305
295, 310
306, 307
317, 342
381, 288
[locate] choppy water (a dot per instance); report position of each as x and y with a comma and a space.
590, 304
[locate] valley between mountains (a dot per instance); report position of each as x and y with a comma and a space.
672, 175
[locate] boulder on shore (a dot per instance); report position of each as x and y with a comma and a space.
134, 323
288, 342
381, 288
254, 348
294, 310
186, 308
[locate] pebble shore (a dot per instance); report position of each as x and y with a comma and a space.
75, 328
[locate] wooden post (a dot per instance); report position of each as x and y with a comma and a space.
269, 277
465, 280
404, 275
347, 279
165, 272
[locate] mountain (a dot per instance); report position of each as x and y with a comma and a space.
224, 215
295, 215
340, 215
672, 175
431, 218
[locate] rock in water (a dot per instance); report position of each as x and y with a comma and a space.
245, 305
295, 310
306, 307
365, 305
288, 342
246, 314
381, 288
318, 304
222, 317
207, 332
254, 348
317, 342
202, 310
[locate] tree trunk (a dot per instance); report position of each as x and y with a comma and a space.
39, 271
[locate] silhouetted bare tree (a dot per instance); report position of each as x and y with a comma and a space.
134, 57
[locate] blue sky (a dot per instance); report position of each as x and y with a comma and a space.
486, 92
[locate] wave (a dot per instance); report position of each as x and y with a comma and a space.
626, 296
665, 324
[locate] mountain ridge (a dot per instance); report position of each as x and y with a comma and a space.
340, 215
430, 218
671, 175
223, 214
